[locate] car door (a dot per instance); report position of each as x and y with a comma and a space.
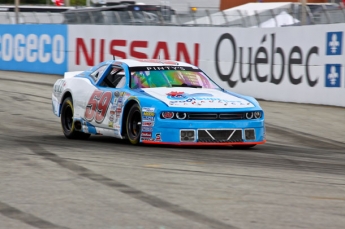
97, 101
112, 99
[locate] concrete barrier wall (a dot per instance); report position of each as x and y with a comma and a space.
292, 64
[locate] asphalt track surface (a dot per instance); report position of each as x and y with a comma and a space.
295, 180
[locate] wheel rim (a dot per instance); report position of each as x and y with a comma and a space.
68, 118
135, 124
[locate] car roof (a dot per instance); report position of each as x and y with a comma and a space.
152, 62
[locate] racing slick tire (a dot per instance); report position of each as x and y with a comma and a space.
67, 121
133, 124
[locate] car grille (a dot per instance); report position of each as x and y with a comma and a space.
213, 116
212, 135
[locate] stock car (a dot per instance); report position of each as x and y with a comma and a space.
155, 102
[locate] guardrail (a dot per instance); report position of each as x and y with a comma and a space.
321, 14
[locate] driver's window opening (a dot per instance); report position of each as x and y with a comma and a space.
115, 78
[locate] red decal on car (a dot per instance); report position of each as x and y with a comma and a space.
97, 106
146, 134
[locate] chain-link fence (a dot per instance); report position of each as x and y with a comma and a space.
283, 16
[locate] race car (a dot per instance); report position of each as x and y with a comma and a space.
155, 102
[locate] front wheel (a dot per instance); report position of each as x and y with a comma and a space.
133, 124
67, 121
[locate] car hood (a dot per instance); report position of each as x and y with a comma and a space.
197, 98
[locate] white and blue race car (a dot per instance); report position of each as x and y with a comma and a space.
155, 102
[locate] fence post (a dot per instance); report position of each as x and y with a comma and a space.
8, 17
17, 10
326, 14
118, 18
257, 18
78, 18
242, 18
342, 9
35, 15
225, 18
24, 20
209, 16
91, 18
192, 14
311, 16
130, 13
178, 20
273, 16
303, 12
50, 17
161, 18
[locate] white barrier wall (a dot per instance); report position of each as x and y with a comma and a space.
303, 64
291, 64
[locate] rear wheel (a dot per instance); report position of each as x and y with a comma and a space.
133, 124
67, 121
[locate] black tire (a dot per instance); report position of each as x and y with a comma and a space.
67, 124
133, 124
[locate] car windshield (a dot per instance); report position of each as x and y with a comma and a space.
151, 77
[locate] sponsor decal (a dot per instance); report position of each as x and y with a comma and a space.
174, 95
117, 132
148, 124
149, 114
165, 68
34, 48
119, 101
111, 118
111, 124
333, 75
59, 86
198, 99
175, 68
158, 137
148, 109
264, 56
334, 43
146, 134
148, 118
84, 50
112, 109
146, 129
146, 139
157, 61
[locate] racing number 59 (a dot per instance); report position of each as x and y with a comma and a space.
97, 106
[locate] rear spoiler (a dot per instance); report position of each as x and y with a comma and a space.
71, 74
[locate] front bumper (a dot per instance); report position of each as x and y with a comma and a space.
206, 132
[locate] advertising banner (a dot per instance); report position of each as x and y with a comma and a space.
303, 64
34, 48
